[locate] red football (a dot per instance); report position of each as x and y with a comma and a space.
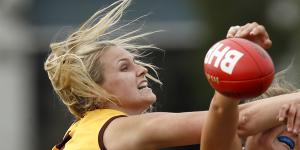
238, 68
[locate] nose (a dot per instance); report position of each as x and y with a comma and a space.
141, 70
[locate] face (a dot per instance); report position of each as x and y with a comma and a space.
268, 140
126, 80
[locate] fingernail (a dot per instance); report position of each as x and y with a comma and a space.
244, 119
280, 119
295, 131
289, 129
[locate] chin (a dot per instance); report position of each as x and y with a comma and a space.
153, 98
149, 100
148, 96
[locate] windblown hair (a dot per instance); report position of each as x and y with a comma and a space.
279, 86
74, 65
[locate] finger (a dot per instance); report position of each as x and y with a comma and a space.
267, 43
260, 32
243, 118
241, 29
247, 29
232, 31
297, 122
283, 112
291, 118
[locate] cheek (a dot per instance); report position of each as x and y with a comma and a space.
119, 85
258, 143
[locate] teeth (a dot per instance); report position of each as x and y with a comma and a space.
143, 85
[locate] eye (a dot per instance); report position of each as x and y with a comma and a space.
124, 68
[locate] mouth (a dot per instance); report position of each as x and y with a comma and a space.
143, 84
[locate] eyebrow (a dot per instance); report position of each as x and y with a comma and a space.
127, 59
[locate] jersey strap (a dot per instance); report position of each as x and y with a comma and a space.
102, 130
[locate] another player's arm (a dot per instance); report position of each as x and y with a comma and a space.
262, 114
220, 128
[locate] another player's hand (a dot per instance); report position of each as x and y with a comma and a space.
253, 32
291, 113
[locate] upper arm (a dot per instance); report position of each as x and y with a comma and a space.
154, 130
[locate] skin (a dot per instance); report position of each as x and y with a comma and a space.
287, 113
123, 77
267, 140
144, 129
127, 78
221, 125
254, 32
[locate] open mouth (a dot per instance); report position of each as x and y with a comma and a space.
143, 85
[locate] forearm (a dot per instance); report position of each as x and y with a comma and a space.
262, 114
221, 124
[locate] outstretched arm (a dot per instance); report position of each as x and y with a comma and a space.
158, 130
263, 114
220, 129
155, 130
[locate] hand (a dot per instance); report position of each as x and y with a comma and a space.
253, 32
291, 113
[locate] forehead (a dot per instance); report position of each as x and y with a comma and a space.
115, 53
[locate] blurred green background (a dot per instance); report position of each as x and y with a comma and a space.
33, 116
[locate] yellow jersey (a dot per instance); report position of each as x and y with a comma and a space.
87, 133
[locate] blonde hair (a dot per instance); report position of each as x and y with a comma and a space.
279, 86
74, 67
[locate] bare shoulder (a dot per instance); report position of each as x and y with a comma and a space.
154, 130
131, 132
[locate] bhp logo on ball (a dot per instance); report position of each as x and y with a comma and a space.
225, 57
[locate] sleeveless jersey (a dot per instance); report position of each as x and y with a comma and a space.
87, 133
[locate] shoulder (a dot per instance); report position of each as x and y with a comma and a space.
111, 117
134, 132
84, 134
